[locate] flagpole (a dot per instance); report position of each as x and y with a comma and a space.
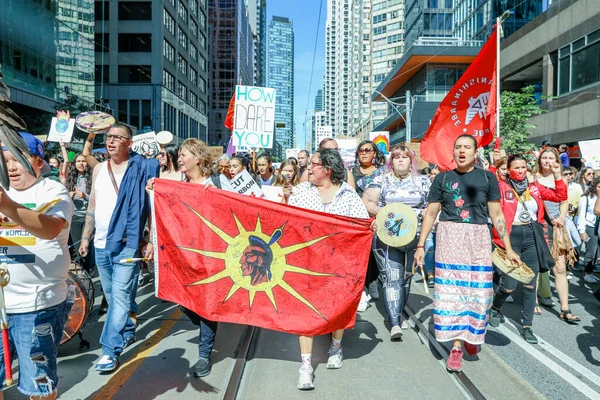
498, 105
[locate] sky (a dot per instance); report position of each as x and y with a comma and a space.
304, 15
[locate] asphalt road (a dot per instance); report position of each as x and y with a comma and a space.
566, 364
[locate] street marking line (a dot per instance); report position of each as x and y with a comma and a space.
566, 359
126, 370
550, 364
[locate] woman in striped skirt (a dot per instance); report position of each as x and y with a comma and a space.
466, 197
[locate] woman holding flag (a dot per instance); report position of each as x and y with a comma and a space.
467, 197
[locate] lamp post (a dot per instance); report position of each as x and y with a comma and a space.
408, 109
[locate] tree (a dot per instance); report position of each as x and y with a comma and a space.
516, 109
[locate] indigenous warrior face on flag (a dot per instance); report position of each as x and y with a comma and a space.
256, 260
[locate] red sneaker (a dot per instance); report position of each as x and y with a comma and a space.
454, 362
472, 349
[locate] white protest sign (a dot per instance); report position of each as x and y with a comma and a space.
146, 144
254, 117
322, 132
347, 150
244, 184
61, 130
292, 153
273, 193
590, 151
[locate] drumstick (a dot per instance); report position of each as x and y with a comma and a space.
4, 279
130, 260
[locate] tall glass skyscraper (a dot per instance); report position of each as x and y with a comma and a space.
280, 76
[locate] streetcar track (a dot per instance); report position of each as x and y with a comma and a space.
462, 378
239, 365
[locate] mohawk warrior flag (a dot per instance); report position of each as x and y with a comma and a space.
238, 259
469, 108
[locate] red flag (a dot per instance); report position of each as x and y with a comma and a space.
469, 108
230, 112
244, 260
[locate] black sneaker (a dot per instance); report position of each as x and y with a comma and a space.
103, 306
202, 368
495, 318
430, 282
528, 335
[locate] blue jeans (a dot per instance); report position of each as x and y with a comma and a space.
208, 331
430, 254
119, 282
35, 337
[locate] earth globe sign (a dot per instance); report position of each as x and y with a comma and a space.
62, 125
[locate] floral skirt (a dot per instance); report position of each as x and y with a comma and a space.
464, 288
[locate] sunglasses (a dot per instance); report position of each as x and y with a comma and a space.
365, 151
568, 173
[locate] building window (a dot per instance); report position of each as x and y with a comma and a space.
194, 7
380, 30
182, 37
181, 90
579, 64
193, 99
168, 81
193, 28
202, 40
169, 22
202, 106
98, 43
202, 62
202, 85
98, 10
135, 74
182, 64
135, 42
202, 19
101, 73
135, 11
193, 52
377, 19
182, 11
168, 51
146, 114
394, 38
193, 76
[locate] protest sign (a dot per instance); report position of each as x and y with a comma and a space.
146, 144
254, 117
292, 153
61, 130
273, 193
322, 132
381, 140
246, 185
590, 151
347, 149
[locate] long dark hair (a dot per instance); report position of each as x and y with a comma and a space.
73, 174
379, 159
591, 190
172, 154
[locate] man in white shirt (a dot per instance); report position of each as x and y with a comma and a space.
34, 231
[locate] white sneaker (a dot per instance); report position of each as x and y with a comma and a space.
569, 276
364, 302
404, 325
590, 278
335, 358
510, 299
396, 332
306, 378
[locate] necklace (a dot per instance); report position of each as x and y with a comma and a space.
401, 177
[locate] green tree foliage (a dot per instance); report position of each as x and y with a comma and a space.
516, 109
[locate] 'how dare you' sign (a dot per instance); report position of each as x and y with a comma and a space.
254, 117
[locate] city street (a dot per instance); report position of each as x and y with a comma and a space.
566, 363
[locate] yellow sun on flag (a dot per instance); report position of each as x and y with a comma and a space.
255, 262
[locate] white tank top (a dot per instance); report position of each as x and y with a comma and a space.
106, 201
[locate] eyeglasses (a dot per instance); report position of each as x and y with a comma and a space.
161, 154
117, 138
365, 151
314, 164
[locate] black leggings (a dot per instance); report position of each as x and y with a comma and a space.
77, 225
523, 243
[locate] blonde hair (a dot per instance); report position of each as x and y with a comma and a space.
538, 167
199, 150
280, 181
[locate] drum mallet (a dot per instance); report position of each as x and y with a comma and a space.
4, 279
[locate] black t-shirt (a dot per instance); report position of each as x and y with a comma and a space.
464, 196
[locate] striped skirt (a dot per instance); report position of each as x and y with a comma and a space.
464, 289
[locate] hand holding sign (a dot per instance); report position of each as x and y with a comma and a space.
61, 129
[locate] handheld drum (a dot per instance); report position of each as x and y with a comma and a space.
396, 224
94, 122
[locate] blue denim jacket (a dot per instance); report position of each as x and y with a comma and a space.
133, 205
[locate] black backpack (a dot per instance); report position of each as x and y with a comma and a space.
216, 180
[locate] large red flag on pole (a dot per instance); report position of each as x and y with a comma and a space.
230, 113
244, 260
469, 108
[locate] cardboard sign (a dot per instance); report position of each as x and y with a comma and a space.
246, 185
590, 151
292, 153
254, 117
381, 140
61, 130
273, 193
146, 144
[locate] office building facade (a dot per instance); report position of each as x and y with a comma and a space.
257, 10
427, 18
232, 61
47, 52
319, 100
280, 76
152, 64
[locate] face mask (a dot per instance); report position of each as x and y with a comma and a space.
517, 176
